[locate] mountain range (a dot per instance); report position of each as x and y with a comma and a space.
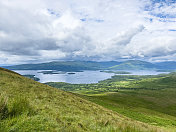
93, 65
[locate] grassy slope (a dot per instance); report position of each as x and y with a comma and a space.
149, 99
32, 106
154, 102
151, 107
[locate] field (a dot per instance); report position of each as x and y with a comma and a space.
149, 99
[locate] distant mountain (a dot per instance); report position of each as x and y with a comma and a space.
65, 66
92, 65
108, 64
134, 65
166, 65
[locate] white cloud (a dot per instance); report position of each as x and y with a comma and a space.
79, 29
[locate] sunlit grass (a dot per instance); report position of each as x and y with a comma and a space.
27, 105
149, 99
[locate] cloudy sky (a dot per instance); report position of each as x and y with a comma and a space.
44, 30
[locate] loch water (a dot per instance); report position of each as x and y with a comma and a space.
84, 77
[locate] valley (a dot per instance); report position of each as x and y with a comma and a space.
149, 99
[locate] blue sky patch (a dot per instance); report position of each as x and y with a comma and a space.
52, 12
92, 19
83, 19
173, 30
162, 15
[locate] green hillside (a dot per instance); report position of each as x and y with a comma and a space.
133, 65
149, 99
28, 106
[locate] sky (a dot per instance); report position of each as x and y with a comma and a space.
92, 30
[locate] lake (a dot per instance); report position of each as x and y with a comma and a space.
85, 77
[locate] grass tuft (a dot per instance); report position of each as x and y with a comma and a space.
3, 106
20, 105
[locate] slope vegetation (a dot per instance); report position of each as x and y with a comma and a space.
26, 105
150, 99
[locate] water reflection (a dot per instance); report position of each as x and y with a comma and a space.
79, 77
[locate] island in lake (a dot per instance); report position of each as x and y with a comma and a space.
117, 72
52, 72
71, 73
